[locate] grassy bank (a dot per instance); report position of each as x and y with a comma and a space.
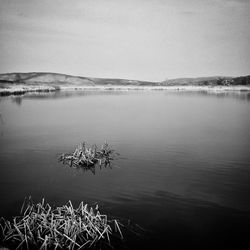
19, 89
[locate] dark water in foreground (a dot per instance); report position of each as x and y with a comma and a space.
183, 173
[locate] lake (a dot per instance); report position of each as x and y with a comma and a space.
182, 173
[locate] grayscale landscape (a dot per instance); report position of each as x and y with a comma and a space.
124, 124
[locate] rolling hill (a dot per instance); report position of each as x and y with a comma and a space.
20, 83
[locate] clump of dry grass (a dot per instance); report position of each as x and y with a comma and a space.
88, 156
42, 227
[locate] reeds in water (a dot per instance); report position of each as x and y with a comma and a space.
42, 227
88, 156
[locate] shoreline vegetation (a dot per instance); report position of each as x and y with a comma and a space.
41, 226
21, 83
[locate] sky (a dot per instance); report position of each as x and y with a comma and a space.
149, 40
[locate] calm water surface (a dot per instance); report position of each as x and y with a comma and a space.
183, 173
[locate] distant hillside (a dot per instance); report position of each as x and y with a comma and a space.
47, 78
122, 82
61, 79
54, 79
206, 81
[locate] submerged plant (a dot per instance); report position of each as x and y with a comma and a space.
42, 227
88, 156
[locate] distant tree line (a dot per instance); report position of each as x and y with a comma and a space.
221, 81
243, 80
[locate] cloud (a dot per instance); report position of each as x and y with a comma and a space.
232, 2
189, 13
239, 1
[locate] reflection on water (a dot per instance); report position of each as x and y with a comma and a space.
63, 94
240, 95
17, 99
183, 174
1, 124
92, 169
1, 119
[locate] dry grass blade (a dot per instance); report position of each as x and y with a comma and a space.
118, 228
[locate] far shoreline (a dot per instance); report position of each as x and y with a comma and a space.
20, 89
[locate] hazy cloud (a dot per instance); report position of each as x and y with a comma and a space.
189, 13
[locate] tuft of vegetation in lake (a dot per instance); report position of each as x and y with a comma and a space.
87, 157
40, 226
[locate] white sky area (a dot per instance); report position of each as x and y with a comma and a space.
133, 39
